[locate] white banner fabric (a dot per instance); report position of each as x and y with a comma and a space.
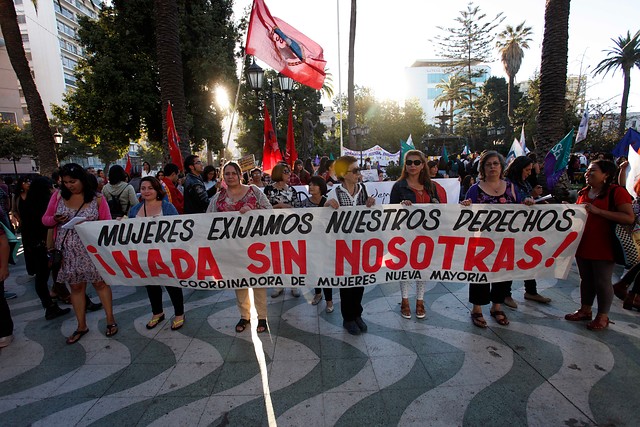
323, 247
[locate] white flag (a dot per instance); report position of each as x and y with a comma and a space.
515, 151
584, 126
633, 171
410, 141
523, 142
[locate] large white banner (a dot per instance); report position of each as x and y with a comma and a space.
323, 247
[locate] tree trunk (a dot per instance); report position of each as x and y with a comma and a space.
553, 83
350, 84
510, 98
622, 127
42, 135
170, 70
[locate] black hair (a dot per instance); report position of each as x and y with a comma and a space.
170, 169
320, 182
75, 171
189, 161
515, 168
117, 174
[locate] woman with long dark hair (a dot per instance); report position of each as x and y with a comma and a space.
78, 198
415, 186
606, 204
34, 241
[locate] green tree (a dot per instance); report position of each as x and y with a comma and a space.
511, 42
39, 122
454, 92
469, 43
553, 82
492, 109
15, 142
624, 56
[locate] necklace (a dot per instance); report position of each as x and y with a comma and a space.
495, 189
593, 194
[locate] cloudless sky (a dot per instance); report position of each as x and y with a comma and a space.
391, 35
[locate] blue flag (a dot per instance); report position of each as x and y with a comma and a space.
631, 138
556, 161
445, 155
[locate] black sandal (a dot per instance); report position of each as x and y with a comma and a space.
262, 326
112, 330
242, 325
76, 335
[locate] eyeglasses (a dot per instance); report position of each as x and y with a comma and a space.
199, 162
355, 171
413, 162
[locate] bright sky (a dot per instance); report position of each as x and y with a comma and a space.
390, 36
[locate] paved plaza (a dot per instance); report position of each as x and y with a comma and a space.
441, 371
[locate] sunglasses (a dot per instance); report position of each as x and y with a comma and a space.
287, 171
413, 162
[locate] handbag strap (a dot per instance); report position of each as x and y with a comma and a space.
66, 232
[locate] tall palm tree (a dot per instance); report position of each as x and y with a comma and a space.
45, 145
170, 69
553, 82
454, 91
624, 55
511, 42
351, 97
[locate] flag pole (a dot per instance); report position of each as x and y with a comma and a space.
235, 103
340, 79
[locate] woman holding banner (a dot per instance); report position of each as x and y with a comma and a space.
491, 188
238, 197
154, 205
518, 173
350, 193
415, 186
606, 204
78, 198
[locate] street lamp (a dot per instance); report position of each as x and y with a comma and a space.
286, 84
360, 131
255, 74
57, 137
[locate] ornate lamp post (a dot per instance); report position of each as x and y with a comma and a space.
360, 131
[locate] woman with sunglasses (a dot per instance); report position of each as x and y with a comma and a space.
415, 186
282, 196
351, 193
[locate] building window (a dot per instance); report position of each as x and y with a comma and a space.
21, 93
68, 62
69, 79
25, 111
22, 19
435, 78
433, 92
8, 117
25, 37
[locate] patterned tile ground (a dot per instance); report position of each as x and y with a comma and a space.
441, 371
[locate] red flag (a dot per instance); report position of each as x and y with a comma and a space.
174, 140
284, 48
127, 168
271, 152
291, 154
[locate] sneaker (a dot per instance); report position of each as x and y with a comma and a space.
351, 327
295, 292
363, 326
10, 295
316, 299
537, 298
54, 311
5, 341
510, 302
277, 292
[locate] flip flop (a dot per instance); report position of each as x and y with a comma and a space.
112, 330
262, 326
76, 335
177, 324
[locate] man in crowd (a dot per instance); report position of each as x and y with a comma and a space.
196, 199
169, 181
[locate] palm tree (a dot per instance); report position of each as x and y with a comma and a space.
170, 69
511, 42
454, 91
351, 97
553, 82
45, 145
625, 55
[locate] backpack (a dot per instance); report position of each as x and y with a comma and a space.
115, 207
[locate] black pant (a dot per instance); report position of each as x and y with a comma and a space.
6, 324
40, 267
351, 303
484, 293
328, 293
155, 298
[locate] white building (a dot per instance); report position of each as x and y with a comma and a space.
423, 76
